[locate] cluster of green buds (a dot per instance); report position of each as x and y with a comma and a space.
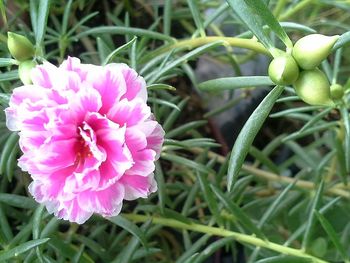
23, 51
299, 68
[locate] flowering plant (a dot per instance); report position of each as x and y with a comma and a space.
88, 137
174, 131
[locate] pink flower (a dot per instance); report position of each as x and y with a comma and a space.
89, 140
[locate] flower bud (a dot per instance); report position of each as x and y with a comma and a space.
313, 87
283, 70
19, 46
311, 50
337, 91
24, 71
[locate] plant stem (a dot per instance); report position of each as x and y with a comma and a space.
295, 9
193, 43
337, 190
216, 231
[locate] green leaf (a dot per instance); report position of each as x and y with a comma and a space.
343, 40
345, 115
160, 87
259, 8
285, 259
119, 30
130, 227
250, 15
167, 17
186, 162
172, 117
117, 51
275, 204
164, 103
208, 195
212, 248
5, 62
248, 133
16, 251
161, 186
187, 256
42, 15
332, 235
235, 83
295, 110
196, 16
6, 152
311, 219
185, 58
18, 201
9, 75
238, 213
181, 130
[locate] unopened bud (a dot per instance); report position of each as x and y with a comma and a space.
19, 46
311, 50
283, 70
313, 88
24, 71
337, 91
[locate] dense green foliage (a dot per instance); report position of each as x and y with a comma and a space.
294, 209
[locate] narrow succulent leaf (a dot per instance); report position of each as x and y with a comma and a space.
120, 30
343, 40
275, 204
181, 130
238, 213
312, 218
130, 227
196, 16
42, 15
333, 236
118, 50
183, 161
14, 252
346, 118
18, 201
259, 8
208, 195
248, 133
235, 83
285, 259
252, 19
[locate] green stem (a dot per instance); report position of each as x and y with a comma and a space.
279, 7
337, 190
216, 231
295, 9
193, 43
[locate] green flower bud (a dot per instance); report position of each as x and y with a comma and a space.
311, 50
24, 70
313, 87
19, 46
337, 91
283, 70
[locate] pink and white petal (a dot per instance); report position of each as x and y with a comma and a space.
143, 163
110, 84
80, 182
135, 139
154, 134
129, 113
74, 212
85, 101
106, 202
137, 186
136, 85
56, 155
44, 75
